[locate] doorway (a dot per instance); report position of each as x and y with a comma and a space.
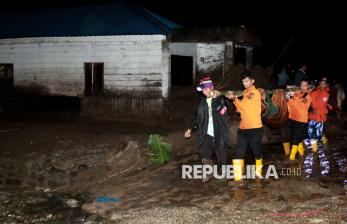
240, 55
94, 79
6, 79
181, 70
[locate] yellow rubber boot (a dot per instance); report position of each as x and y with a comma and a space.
293, 152
238, 165
258, 167
314, 145
286, 147
325, 140
301, 149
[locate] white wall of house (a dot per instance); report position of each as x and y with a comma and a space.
134, 63
206, 56
210, 56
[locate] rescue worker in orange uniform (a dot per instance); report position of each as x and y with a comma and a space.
250, 131
298, 105
320, 106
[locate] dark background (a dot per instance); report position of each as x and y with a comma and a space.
316, 28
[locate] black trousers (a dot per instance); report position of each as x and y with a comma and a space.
208, 148
251, 138
294, 132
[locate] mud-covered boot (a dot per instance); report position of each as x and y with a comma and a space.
258, 168
238, 165
301, 149
314, 145
324, 140
293, 152
286, 147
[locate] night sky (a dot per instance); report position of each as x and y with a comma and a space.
317, 29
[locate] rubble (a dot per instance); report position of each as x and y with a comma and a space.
107, 164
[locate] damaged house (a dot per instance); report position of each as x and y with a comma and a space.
111, 56
116, 58
213, 51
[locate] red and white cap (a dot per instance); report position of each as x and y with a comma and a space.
205, 83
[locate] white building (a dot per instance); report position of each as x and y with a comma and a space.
117, 50
115, 57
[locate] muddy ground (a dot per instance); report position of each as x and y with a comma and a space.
53, 170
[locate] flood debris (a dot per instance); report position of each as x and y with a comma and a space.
9, 130
160, 150
72, 203
63, 183
104, 199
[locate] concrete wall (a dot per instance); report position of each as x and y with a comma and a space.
210, 56
207, 57
55, 65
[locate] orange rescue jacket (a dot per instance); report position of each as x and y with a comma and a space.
320, 98
298, 107
250, 109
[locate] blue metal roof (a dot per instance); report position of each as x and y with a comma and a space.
88, 20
